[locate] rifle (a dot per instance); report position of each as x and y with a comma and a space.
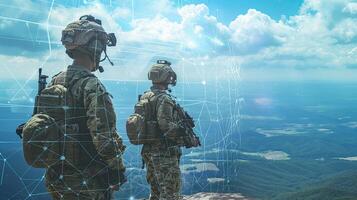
187, 124
42, 81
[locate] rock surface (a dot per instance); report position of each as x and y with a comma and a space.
214, 196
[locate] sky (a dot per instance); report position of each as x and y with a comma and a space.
256, 40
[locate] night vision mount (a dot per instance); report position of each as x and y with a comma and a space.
91, 19
163, 62
112, 40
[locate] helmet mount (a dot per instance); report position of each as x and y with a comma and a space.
162, 73
88, 36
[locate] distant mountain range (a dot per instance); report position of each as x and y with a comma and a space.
338, 187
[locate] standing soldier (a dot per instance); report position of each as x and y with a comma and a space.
165, 134
73, 132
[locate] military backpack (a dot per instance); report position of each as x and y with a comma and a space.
142, 126
49, 136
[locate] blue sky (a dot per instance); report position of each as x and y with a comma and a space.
229, 9
254, 40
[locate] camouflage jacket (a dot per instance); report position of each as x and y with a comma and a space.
99, 115
166, 120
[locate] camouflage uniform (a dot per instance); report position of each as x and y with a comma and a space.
162, 158
95, 152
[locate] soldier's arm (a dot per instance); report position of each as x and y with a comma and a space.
102, 124
165, 117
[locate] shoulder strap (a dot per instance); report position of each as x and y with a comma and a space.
53, 78
157, 97
82, 76
61, 77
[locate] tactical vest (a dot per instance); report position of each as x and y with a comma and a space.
161, 145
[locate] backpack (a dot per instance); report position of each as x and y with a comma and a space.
142, 126
49, 136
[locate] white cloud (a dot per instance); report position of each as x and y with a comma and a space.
346, 30
122, 13
22, 66
204, 30
254, 31
14, 17
192, 12
96, 9
195, 29
350, 8
322, 35
5, 23
329, 14
159, 28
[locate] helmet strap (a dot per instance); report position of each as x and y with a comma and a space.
106, 57
70, 53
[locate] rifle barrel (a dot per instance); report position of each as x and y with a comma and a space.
39, 81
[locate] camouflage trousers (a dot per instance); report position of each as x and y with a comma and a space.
163, 175
70, 185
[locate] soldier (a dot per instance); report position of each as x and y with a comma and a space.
92, 166
162, 156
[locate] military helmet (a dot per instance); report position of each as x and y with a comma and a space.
162, 73
87, 36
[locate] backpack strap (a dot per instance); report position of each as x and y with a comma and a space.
156, 106
69, 82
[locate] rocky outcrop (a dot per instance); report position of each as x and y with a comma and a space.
214, 196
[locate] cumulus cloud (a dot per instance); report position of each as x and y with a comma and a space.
321, 35
346, 30
350, 8
198, 31
20, 33
159, 28
254, 31
202, 30
195, 30
96, 9
330, 15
